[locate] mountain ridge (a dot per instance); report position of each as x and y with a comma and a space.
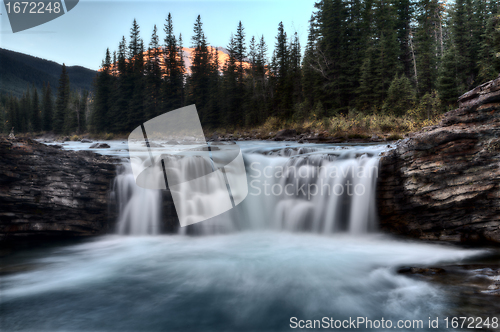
20, 70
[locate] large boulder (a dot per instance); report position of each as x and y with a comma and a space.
49, 192
443, 183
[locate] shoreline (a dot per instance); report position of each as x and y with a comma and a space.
285, 135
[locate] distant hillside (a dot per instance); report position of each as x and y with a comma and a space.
17, 70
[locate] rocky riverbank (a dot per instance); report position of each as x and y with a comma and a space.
48, 192
443, 182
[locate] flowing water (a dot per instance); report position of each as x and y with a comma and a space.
275, 256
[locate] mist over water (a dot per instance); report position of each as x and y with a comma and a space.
242, 281
250, 269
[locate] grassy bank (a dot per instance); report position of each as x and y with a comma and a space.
351, 126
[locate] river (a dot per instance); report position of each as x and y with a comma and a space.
271, 261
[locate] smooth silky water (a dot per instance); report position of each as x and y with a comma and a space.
253, 268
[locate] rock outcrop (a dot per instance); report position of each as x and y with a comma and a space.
443, 183
46, 191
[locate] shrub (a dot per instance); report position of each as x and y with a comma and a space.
108, 136
428, 108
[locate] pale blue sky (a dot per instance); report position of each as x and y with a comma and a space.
81, 36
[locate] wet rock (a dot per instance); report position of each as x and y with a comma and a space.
443, 183
99, 146
223, 143
48, 192
86, 140
285, 134
151, 145
420, 270
214, 137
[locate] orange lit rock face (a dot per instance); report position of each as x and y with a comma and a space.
187, 53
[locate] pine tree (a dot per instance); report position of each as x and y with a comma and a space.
71, 120
136, 114
447, 79
120, 90
400, 96
231, 100
82, 112
134, 47
153, 77
35, 113
174, 70
404, 10
427, 45
62, 101
48, 108
101, 119
240, 51
214, 100
489, 60
198, 83
388, 49
280, 65
311, 76
295, 71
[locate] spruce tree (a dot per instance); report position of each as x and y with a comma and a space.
447, 79
153, 77
295, 71
198, 83
489, 59
62, 101
35, 113
120, 90
240, 51
231, 100
311, 76
82, 112
174, 70
280, 65
101, 120
427, 44
48, 108
400, 96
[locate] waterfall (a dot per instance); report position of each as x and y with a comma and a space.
139, 210
307, 189
313, 192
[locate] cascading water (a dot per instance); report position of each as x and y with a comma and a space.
243, 281
139, 209
313, 189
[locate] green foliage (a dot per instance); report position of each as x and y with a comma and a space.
35, 120
429, 107
62, 102
48, 108
400, 97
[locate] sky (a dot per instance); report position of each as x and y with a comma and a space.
81, 36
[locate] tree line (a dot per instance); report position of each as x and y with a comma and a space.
34, 112
372, 56
375, 56
132, 88
386, 56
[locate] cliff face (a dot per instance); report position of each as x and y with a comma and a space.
45, 191
443, 183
